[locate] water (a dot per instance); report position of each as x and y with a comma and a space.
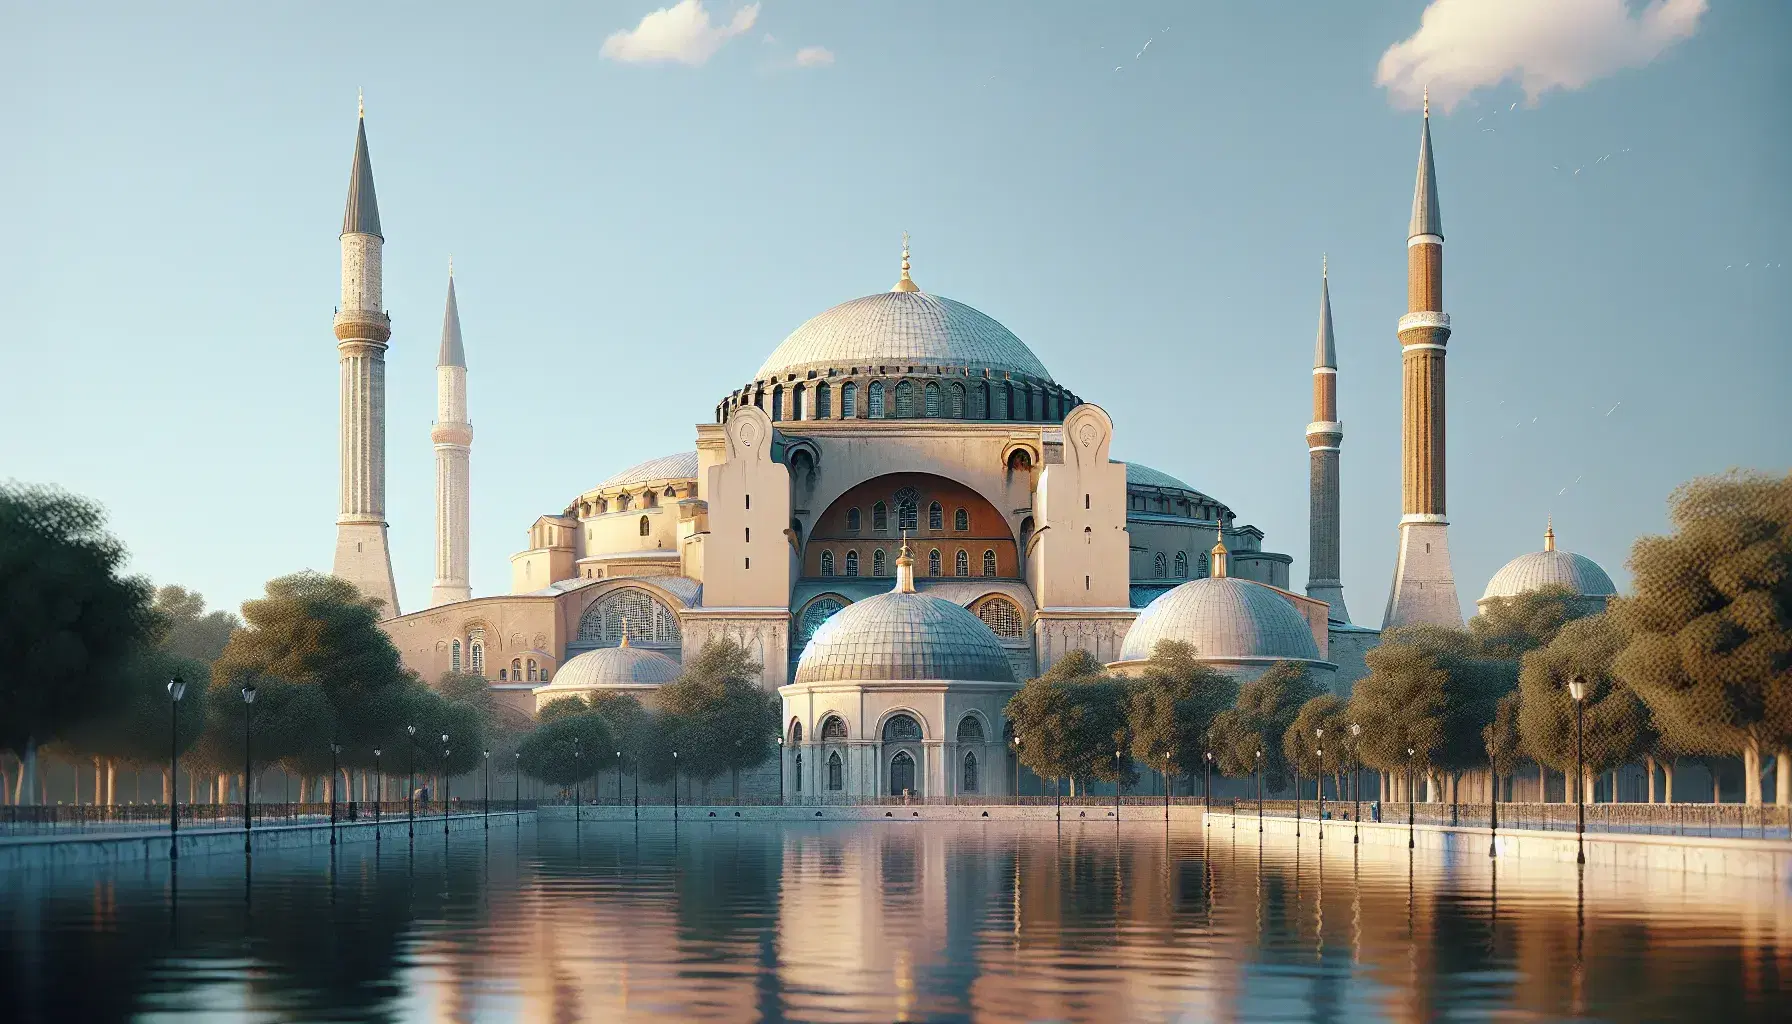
885, 921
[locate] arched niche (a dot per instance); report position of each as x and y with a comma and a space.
834, 535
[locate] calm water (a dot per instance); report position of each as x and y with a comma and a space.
880, 922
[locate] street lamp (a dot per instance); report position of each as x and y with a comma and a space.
447, 783
619, 778
177, 688
1410, 754
1259, 763
248, 765
1577, 688
675, 785
780, 772
1356, 786
1296, 785
335, 749
577, 779
487, 755
1319, 776
516, 803
1117, 780
379, 795
1166, 785
410, 782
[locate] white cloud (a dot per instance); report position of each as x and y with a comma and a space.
814, 57
681, 33
1464, 45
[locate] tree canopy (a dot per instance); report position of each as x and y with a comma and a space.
185, 628
1171, 706
721, 720
1510, 626
1617, 728
1430, 690
1267, 706
1309, 751
1070, 721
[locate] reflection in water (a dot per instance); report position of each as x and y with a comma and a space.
884, 921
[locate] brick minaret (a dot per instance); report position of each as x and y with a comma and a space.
362, 328
1424, 587
453, 438
1325, 436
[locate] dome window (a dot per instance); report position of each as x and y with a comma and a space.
989, 563
933, 562
827, 563
1182, 565
833, 728
822, 401
902, 729
932, 405
961, 563
880, 518
852, 563
936, 517
980, 401
818, 612
874, 400
961, 520
849, 400
877, 562
852, 520
1003, 618
955, 401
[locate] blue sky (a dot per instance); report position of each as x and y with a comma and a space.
632, 236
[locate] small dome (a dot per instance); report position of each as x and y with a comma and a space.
1223, 618
680, 466
1140, 475
615, 667
1541, 569
903, 328
897, 636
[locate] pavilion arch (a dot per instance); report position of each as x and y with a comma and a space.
920, 719
833, 729
976, 718
794, 733
832, 531
598, 621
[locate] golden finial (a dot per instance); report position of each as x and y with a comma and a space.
1218, 554
360, 103
1549, 534
905, 568
1427, 102
624, 631
905, 284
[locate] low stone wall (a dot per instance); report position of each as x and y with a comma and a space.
50, 852
1751, 858
874, 812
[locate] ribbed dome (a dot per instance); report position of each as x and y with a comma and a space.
1222, 618
900, 636
679, 466
902, 328
1541, 569
616, 667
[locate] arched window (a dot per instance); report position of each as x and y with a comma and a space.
646, 526
822, 403
544, 674
961, 520
936, 517
817, 612
998, 409
1002, 616
877, 562
516, 669
533, 671
970, 773
932, 399
476, 651
989, 562
902, 729
852, 563
836, 782
833, 728
880, 518
1182, 565
454, 656
1020, 460
797, 782
849, 400
601, 506
933, 562
777, 403
503, 675
1202, 566
852, 520
961, 563
902, 774
827, 563
874, 400
622, 502
649, 499
1089, 536
908, 509
905, 400
796, 731
650, 622
955, 401
970, 730
980, 400
1159, 566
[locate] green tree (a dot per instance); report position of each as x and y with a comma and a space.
137, 730
726, 722
1510, 626
1071, 720
1313, 754
1171, 706
630, 725
1617, 728
1429, 690
567, 751
1501, 738
1266, 708
70, 624
1711, 623
562, 707
185, 628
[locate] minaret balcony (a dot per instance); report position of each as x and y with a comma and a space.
1441, 321
363, 325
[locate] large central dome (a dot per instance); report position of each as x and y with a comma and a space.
903, 328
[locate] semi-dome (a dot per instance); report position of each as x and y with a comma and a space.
616, 668
903, 328
1224, 618
1550, 568
902, 636
677, 466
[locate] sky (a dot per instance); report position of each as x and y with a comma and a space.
640, 204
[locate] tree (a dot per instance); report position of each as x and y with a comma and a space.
1429, 690
1711, 623
70, 625
1071, 720
1617, 728
1171, 706
566, 751
185, 628
630, 724
1266, 708
725, 721
1505, 746
1314, 755
1510, 626
562, 707
138, 730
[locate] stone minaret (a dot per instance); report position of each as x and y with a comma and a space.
362, 328
453, 437
1325, 435
1424, 587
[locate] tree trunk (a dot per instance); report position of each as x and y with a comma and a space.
28, 772
1667, 782
1782, 777
111, 782
1586, 785
167, 788
1649, 766
1751, 774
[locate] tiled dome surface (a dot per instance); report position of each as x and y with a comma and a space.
1541, 569
898, 636
616, 666
902, 328
1223, 618
682, 466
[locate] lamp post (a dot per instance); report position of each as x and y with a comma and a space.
248, 765
487, 755
1259, 763
675, 785
1356, 786
1297, 785
1118, 779
1207, 787
447, 783
335, 751
1166, 785
619, 778
780, 771
516, 803
1577, 688
379, 790
1493, 803
410, 782
177, 688
577, 779
1410, 754
1319, 777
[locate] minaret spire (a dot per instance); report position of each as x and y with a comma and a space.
905, 283
452, 436
1424, 584
1325, 437
363, 556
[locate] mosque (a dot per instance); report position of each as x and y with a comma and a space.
901, 516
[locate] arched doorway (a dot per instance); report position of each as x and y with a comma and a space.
902, 773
